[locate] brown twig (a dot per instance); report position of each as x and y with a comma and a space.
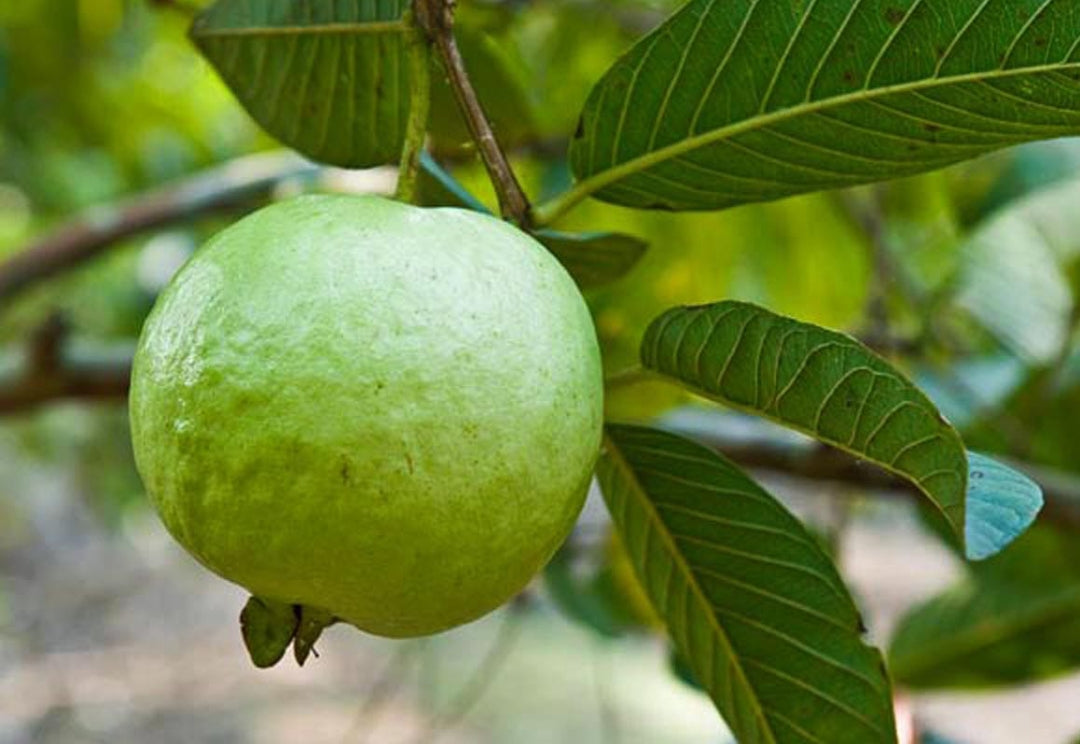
436, 19
223, 187
50, 374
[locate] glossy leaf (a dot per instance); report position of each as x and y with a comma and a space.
327, 78
829, 386
751, 602
1009, 624
742, 101
593, 259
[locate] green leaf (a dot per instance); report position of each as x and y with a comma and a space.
592, 259
327, 78
819, 382
741, 101
752, 603
831, 387
1015, 619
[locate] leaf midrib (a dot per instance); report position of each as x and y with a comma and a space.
323, 29
554, 209
676, 557
981, 637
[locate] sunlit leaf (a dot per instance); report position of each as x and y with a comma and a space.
741, 101
329, 79
752, 603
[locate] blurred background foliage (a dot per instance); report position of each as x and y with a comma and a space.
967, 277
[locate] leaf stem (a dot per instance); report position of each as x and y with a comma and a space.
419, 108
547, 213
436, 18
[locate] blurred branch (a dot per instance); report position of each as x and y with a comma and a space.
436, 19
50, 374
1061, 490
227, 186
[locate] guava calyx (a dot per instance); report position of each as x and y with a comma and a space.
270, 627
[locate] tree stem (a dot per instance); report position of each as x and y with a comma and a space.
419, 108
436, 18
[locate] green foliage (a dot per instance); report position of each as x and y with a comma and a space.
328, 79
830, 386
1013, 619
718, 105
749, 598
819, 382
729, 103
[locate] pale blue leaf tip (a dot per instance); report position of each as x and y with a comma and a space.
1001, 504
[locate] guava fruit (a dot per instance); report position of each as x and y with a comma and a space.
374, 412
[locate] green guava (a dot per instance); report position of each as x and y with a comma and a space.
382, 413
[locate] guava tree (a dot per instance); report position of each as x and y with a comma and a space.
720, 105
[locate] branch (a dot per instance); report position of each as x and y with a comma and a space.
49, 374
223, 187
436, 19
1061, 490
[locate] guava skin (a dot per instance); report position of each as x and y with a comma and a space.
385, 412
